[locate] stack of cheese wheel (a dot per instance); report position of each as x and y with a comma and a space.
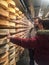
17, 52
17, 10
3, 52
12, 54
12, 24
19, 31
3, 32
11, 9
18, 13
4, 14
12, 16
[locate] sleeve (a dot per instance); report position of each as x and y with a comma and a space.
26, 43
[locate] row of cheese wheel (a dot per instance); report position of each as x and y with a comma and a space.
9, 11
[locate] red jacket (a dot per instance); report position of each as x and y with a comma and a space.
40, 43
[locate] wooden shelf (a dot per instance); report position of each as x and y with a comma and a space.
22, 23
17, 32
16, 21
11, 27
21, 27
7, 27
2, 36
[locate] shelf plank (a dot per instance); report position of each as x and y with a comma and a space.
7, 27
2, 36
11, 27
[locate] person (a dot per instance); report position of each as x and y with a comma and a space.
40, 43
31, 51
37, 23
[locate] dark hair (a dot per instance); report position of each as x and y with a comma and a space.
38, 19
45, 24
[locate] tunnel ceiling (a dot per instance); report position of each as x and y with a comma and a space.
34, 7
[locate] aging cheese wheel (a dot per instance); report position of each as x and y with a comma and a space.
11, 3
17, 59
12, 61
12, 16
12, 30
17, 15
6, 63
2, 49
12, 55
3, 41
12, 10
19, 25
4, 12
3, 4
11, 24
20, 13
12, 49
17, 9
4, 58
17, 49
4, 22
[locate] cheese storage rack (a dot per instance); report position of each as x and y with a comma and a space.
15, 23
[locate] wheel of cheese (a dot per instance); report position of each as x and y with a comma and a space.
12, 61
16, 9
12, 50
4, 22
7, 62
12, 55
2, 49
17, 59
17, 49
11, 3
10, 44
17, 54
17, 15
4, 58
20, 13
3, 41
12, 16
4, 4
11, 24
3, 12
11, 10
12, 31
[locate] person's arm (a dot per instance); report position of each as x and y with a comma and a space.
27, 43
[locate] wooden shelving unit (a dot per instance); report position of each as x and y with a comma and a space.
20, 29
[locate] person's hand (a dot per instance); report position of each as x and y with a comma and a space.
9, 36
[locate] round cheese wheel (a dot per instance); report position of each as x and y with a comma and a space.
12, 16
3, 4
3, 41
12, 30
12, 55
12, 10
4, 22
4, 58
17, 9
17, 15
11, 3
11, 24
4, 12
12, 61
20, 13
